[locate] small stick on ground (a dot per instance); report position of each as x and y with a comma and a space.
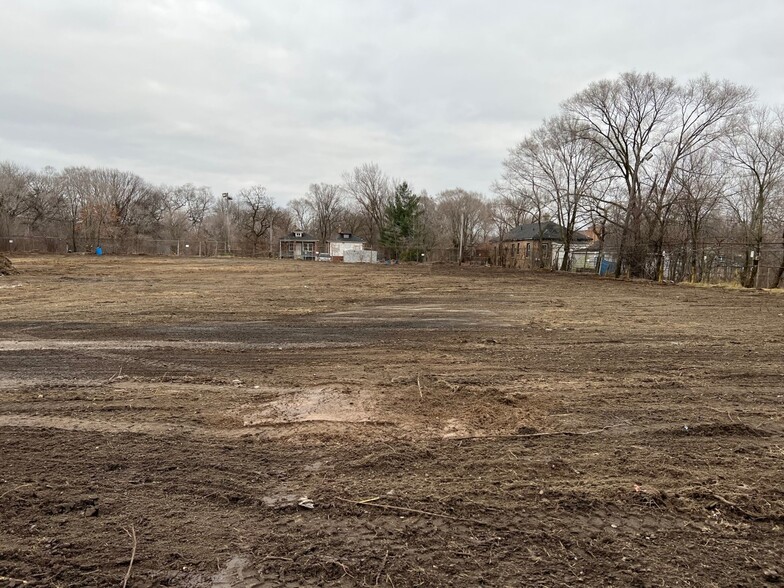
15, 489
381, 569
132, 535
745, 513
117, 376
366, 500
550, 434
415, 511
448, 385
419, 385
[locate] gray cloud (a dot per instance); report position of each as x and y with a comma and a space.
230, 93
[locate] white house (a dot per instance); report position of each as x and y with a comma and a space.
342, 242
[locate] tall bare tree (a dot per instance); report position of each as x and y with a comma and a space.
522, 177
645, 125
628, 119
257, 214
14, 195
198, 201
511, 206
301, 213
566, 168
372, 189
466, 217
757, 152
45, 199
701, 184
325, 202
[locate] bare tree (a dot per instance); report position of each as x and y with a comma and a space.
123, 195
257, 214
14, 195
353, 219
706, 112
701, 185
511, 206
324, 201
45, 198
174, 217
628, 119
522, 176
566, 169
466, 217
777, 219
198, 201
372, 190
644, 126
757, 152
301, 213
84, 210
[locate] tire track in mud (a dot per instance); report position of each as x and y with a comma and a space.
279, 429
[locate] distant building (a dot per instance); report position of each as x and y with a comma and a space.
533, 245
342, 242
298, 245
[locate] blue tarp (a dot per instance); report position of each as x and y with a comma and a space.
606, 267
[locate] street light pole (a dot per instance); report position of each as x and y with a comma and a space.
228, 222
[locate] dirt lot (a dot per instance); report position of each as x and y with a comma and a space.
452, 427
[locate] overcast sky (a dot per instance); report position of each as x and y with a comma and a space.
229, 93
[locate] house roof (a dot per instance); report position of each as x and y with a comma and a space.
292, 237
345, 239
550, 231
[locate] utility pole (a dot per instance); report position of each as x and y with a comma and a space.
270, 236
460, 251
228, 222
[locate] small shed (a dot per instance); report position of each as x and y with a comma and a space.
298, 245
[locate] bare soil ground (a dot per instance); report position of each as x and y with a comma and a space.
451, 426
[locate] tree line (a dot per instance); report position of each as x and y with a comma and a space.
656, 167
663, 174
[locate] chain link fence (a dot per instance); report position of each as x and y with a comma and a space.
132, 246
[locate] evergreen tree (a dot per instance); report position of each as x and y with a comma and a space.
402, 213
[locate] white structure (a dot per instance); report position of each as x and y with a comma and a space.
363, 256
343, 242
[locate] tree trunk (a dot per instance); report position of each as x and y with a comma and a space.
751, 275
780, 272
693, 261
73, 237
621, 250
566, 250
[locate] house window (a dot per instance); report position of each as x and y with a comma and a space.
307, 247
528, 250
291, 246
297, 234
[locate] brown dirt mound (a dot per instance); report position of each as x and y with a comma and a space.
6, 267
